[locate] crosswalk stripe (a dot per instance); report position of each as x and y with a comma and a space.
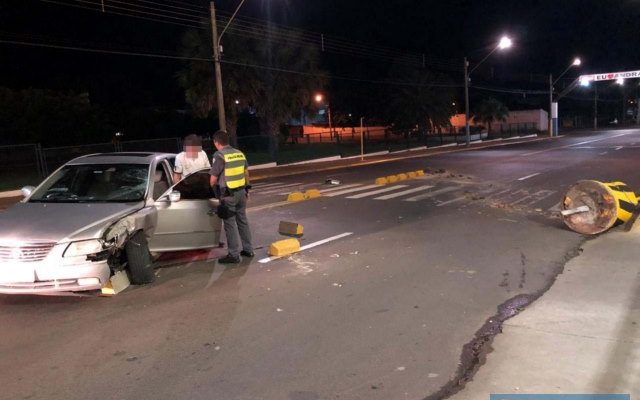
432, 194
265, 185
444, 203
373, 193
341, 192
404, 192
272, 190
341, 187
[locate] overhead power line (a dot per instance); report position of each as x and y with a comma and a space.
196, 17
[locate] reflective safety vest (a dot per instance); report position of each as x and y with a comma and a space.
234, 167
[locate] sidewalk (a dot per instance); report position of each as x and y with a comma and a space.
582, 336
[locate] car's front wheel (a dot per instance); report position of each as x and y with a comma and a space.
139, 259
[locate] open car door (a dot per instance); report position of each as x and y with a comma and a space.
187, 222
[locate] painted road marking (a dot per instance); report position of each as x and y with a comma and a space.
404, 192
618, 148
309, 246
373, 193
432, 194
529, 176
341, 187
574, 145
279, 188
444, 203
603, 153
265, 185
358, 189
270, 205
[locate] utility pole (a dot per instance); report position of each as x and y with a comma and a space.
550, 104
466, 102
330, 124
595, 106
361, 138
222, 119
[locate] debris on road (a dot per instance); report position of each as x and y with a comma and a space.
290, 229
332, 182
592, 207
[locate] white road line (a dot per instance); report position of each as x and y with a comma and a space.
271, 205
444, 203
373, 193
618, 148
341, 192
398, 194
529, 176
327, 190
603, 153
495, 194
265, 185
341, 187
573, 145
309, 246
432, 194
279, 188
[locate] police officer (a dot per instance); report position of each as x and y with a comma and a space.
230, 179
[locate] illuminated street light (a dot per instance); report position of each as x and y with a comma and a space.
620, 81
319, 98
553, 120
237, 101
504, 44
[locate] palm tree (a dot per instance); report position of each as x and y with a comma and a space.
418, 97
491, 110
277, 77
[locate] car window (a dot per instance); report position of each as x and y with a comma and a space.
195, 187
94, 183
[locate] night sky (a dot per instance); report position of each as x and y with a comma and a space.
547, 35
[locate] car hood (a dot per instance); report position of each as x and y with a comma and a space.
60, 222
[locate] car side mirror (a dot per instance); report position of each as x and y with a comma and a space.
174, 196
27, 190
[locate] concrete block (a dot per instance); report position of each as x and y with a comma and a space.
295, 196
284, 247
381, 181
312, 194
118, 282
412, 175
392, 179
420, 172
290, 229
402, 177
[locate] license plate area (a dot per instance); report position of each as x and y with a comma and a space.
16, 273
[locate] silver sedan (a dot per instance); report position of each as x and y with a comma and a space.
100, 214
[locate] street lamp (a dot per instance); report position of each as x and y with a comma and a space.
504, 44
319, 98
553, 130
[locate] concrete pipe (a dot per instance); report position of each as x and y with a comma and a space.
592, 207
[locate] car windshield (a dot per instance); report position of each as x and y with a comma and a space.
94, 183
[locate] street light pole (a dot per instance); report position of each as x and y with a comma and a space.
503, 44
222, 118
466, 102
550, 104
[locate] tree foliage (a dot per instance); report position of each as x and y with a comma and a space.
418, 97
491, 110
253, 72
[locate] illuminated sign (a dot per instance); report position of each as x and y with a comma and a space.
610, 76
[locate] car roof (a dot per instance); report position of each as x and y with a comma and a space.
120, 158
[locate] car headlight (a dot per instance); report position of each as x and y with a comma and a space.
83, 248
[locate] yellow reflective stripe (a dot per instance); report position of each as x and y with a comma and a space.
234, 157
236, 184
229, 172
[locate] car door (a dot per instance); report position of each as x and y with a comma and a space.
188, 223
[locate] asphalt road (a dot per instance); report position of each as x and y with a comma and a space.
382, 312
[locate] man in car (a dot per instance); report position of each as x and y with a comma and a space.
230, 178
192, 159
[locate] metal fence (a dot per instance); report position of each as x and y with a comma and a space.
27, 164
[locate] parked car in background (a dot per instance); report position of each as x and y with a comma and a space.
99, 214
